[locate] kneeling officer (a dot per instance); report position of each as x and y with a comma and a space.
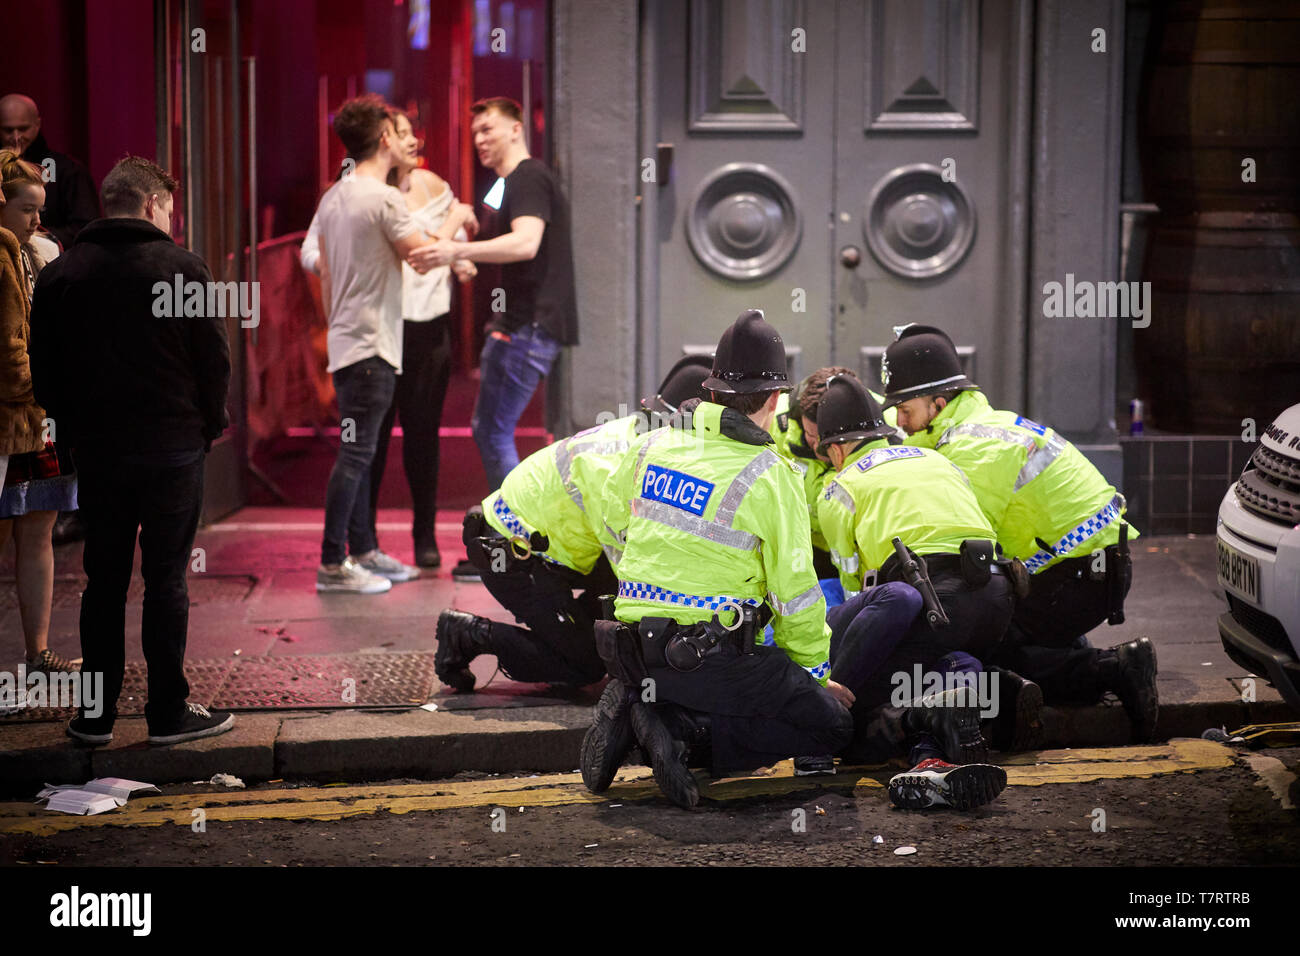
715, 539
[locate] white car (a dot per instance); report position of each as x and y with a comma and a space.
1258, 542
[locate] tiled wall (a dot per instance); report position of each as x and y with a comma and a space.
1174, 483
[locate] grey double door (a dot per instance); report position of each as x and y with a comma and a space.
845, 165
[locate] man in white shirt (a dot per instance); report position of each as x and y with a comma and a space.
364, 233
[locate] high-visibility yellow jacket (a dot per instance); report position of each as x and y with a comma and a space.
711, 514
1031, 482
557, 491
787, 432
887, 490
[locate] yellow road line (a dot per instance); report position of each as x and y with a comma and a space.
335, 803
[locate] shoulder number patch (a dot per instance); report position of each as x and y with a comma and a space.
677, 489
1032, 426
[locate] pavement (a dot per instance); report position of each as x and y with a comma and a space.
256, 596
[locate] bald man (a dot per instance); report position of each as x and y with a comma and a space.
70, 195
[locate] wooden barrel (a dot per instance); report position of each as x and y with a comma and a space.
1223, 255
1224, 339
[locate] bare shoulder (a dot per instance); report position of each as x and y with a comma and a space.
432, 184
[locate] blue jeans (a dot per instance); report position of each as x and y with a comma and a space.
365, 392
509, 373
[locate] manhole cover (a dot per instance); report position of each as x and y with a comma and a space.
319, 682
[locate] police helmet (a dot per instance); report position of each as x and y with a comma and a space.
921, 362
681, 384
848, 413
750, 358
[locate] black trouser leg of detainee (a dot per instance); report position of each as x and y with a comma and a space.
1064, 602
979, 618
557, 644
764, 707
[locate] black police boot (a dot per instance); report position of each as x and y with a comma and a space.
819, 766
608, 741
693, 728
1129, 671
1019, 723
668, 757
461, 638
953, 719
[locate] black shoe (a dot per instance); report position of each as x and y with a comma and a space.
464, 571
953, 719
461, 637
933, 783
667, 756
1134, 683
196, 722
693, 728
814, 766
1019, 723
92, 730
427, 556
608, 741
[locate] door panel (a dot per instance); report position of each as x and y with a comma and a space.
928, 180
742, 214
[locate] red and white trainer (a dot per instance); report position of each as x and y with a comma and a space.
934, 783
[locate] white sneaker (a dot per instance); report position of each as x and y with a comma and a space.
376, 562
351, 577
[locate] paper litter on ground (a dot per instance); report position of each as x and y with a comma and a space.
96, 796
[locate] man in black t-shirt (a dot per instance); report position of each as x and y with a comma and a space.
535, 311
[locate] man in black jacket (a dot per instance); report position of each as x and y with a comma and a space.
135, 380
70, 202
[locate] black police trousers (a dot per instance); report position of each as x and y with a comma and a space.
764, 707
1064, 603
978, 620
557, 644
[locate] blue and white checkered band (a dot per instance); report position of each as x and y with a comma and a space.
515, 526
881, 455
1076, 537
650, 592
820, 671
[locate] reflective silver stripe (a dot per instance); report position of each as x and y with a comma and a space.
614, 555
645, 448
834, 490
680, 520
1039, 459
620, 538
564, 452
741, 484
848, 563
804, 601
988, 431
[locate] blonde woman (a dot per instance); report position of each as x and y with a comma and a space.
38, 481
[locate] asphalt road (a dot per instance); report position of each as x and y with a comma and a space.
1186, 804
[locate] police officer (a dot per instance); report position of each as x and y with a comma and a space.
715, 539
794, 430
882, 492
1051, 509
539, 538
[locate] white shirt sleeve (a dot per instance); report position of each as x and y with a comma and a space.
310, 254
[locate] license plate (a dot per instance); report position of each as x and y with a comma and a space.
1238, 572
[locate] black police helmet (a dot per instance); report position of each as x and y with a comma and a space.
750, 358
848, 413
681, 384
921, 362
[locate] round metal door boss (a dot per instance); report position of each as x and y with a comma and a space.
744, 221
917, 225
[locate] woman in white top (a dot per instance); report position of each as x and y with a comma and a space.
426, 348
